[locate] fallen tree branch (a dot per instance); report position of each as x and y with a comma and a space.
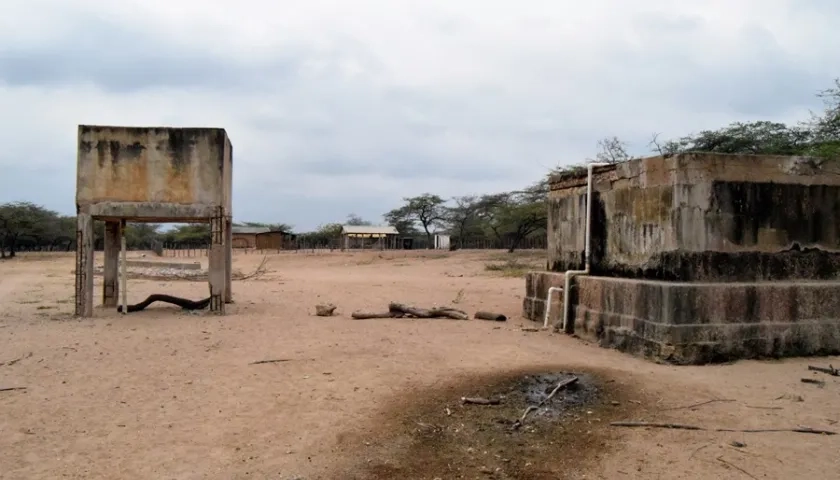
399, 310
278, 360
480, 401
830, 370
437, 312
12, 362
495, 317
367, 315
677, 426
680, 426
813, 381
560, 386
770, 430
9, 389
736, 467
258, 272
698, 404
184, 303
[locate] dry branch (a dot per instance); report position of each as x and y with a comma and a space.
830, 370
656, 425
399, 310
766, 430
278, 360
184, 303
260, 271
560, 386
736, 467
366, 315
480, 401
9, 389
698, 404
813, 381
437, 312
731, 430
563, 384
495, 317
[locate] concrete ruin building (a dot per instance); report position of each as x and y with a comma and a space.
151, 174
696, 257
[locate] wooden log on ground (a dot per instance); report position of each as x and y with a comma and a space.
813, 381
446, 312
184, 303
367, 315
830, 370
495, 317
11, 389
438, 312
480, 401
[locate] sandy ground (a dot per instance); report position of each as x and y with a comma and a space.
167, 394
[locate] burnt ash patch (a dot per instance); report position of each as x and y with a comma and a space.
438, 436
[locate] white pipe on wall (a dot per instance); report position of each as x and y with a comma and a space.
548, 303
586, 247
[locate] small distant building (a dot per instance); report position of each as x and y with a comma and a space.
246, 237
275, 240
441, 242
363, 236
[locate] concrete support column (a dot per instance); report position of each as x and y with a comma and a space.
111, 281
84, 265
228, 260
218, 264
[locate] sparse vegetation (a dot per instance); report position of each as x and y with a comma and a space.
510, 268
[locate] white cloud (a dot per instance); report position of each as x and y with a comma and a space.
337, 107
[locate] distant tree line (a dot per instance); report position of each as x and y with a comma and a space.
504, 218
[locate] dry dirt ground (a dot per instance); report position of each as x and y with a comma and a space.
167, 394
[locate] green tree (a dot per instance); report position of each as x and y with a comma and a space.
428, 210
326, 235
274, 227
758, 138
818, 137
514, 216
25, 222
141, 236
826, 127
190, 234
463, 217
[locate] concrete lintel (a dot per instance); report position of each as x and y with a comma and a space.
151, 211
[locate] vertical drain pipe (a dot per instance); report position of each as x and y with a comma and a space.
548, 303
567, 326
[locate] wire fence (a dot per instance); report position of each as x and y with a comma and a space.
302, 245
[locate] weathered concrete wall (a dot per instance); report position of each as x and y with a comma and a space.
159, 174
707, 217
695, 323
152, 174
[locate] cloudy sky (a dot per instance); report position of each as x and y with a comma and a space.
338, 107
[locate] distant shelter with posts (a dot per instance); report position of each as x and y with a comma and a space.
369, 237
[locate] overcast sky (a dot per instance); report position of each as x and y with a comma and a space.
346, 106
